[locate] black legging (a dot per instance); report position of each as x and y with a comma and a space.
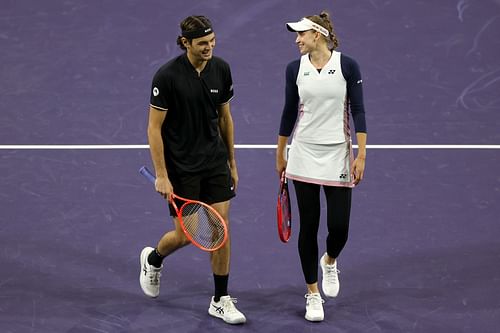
338, 201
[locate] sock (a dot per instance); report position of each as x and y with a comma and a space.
155, 258
220, 282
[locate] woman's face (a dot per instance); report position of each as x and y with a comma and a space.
306, 41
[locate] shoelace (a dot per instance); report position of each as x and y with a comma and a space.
228, 305
331, 273
154, 277
314, 301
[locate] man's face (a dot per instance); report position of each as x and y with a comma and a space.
201, 48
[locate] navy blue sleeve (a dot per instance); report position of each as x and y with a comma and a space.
352, 74
290, 110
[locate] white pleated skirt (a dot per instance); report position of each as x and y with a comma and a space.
328, 164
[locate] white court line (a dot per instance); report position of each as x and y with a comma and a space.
238, 146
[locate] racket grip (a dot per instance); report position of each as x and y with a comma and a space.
146, 173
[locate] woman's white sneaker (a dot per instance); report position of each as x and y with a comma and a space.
330, 283
314, 307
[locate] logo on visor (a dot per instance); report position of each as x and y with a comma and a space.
156, 92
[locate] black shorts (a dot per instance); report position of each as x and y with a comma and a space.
210, 186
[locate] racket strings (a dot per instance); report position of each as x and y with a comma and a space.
284, 216
285, 208
203, 225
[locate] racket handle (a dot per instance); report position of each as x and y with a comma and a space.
149, 176
146, 173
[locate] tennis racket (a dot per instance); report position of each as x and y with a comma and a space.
201, 223
284, 213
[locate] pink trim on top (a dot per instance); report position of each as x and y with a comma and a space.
347, 128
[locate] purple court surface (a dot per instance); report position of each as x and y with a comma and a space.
424, 249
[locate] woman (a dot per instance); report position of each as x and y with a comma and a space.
321, 87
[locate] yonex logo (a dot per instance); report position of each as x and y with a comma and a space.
214, 91
156, 91
306, 73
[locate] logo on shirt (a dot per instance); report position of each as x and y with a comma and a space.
306, 73
331, 71
156, 91
214, 91
343, 176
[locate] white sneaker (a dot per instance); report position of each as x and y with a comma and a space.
314, 307
330, 283
226, 310
150, 275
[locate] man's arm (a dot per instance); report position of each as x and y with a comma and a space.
227, 133
156, 119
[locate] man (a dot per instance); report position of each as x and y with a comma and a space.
190, 134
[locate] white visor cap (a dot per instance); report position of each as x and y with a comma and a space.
306, 24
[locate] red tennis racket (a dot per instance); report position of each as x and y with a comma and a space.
284, 214
201, 223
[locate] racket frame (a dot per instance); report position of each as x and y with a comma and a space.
178, 211
284, 234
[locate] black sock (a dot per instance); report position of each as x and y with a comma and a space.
155, 258
220, 282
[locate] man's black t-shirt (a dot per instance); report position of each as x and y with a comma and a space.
190, 131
